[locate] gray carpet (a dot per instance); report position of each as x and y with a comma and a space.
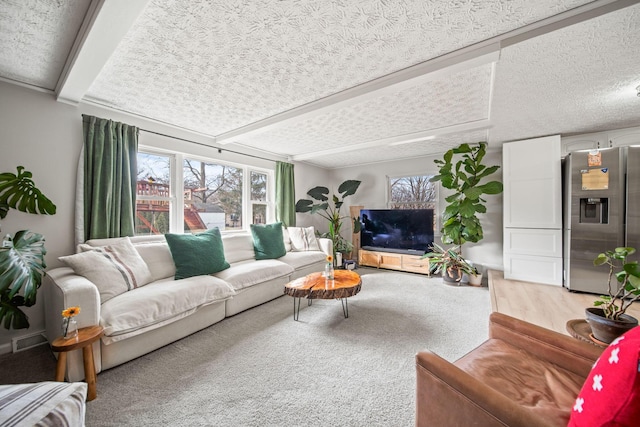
261, 368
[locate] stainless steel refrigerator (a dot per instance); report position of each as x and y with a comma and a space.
601, 212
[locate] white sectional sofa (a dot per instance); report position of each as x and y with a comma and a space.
148, 317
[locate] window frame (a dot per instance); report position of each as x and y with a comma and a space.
176, 181
436, 210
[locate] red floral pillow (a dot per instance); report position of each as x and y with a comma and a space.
611, 394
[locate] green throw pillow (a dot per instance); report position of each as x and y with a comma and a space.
197, 254
267, 241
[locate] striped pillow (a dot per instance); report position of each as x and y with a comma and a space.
303, 239
113, 269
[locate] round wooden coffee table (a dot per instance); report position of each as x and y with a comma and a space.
345, 283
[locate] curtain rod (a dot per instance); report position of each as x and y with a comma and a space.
220, 150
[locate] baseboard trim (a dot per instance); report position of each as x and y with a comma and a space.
6, 348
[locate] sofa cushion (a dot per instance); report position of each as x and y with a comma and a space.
248, 273
299, 260
238, 247
303, 239
197, 254
113, 269
287, 239
610, 395
158, 304
268, 242
157, 256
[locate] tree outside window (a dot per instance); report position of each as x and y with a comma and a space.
414, 192
212, 196
258, 197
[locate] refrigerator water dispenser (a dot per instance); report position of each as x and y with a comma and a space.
594, 210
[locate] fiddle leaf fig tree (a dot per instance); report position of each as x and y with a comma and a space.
462, 171
22, 259
331, 211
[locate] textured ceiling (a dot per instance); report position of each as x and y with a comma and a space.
224, 67
36, 37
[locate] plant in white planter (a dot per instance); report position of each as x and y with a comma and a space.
607, 318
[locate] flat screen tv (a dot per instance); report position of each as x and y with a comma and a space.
397, 230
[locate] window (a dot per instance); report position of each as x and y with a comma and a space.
212, 196
259, 197
414, 192
153, 201
209, 194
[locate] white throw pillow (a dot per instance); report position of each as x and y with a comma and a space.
303, 239
114, 269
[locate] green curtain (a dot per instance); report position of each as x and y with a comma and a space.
110, 171
285, 194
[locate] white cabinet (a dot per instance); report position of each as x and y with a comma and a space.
624, 137
532, 235
590, 141
593, 141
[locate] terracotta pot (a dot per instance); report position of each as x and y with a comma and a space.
607, 330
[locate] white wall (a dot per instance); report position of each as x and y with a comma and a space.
372, 194
307, 177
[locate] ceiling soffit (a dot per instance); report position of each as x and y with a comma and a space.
36, 38
462, 97
379, 154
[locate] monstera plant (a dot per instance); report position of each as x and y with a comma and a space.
330, 210
22, 259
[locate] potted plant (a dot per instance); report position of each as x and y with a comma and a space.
21, 258
462, 171
331, 211
607, 318
449, 263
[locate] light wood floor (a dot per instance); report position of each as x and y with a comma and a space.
545, 305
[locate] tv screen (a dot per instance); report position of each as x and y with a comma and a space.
397, 230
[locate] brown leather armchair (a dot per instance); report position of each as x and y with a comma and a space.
523, 375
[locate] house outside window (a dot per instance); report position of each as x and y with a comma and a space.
211, 194
153, 200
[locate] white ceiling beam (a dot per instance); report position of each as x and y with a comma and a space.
105, 25
424, 135
463, 59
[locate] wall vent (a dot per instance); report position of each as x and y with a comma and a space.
28, 341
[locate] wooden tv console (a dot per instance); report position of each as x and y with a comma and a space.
393, 261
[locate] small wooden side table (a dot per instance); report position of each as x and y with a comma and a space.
580, 329
84, 340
